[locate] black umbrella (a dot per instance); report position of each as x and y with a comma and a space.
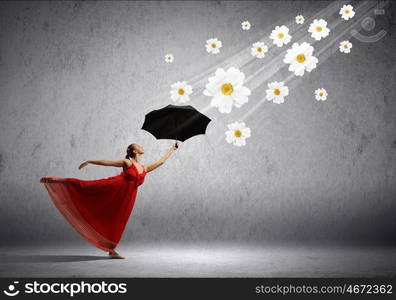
175, 122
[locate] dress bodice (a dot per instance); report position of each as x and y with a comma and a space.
131, 174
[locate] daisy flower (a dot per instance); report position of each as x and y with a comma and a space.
300, 58
280, 35
318, 29
180, 91
276, 92
213, 45
321, 94
227, 90
347, 12
245, 25
259, 49
345, 46
300, 19
169, 58
237, 133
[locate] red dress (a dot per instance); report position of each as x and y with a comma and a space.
98, 209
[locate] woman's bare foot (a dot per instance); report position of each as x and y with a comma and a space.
114, 254
46, 179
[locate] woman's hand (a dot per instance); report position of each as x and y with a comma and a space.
175, 146
83, 165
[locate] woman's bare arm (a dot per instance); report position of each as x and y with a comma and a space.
103, 162
159, 162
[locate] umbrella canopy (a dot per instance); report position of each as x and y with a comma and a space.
175, 122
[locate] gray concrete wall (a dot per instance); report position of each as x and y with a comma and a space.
77, 78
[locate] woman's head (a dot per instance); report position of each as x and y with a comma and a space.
133, 150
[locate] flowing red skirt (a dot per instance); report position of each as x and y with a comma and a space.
97, 209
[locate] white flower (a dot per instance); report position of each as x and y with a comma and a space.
259, 49
347, 12
321, 94
246, 25
300, 58
226, 89
169, 58
213, 45
280, 35
300, 19
318, 29
237, 133
345, 46
180, 91
276, 92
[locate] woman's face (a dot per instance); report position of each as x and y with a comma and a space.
140, 149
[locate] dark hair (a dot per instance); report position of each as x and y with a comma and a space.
130, 153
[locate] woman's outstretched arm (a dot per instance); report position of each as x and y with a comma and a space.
102, 162
159, 162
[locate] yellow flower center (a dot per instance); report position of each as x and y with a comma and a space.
277, 92
345, 46
347, 11
213, 45
238, 133
300, 58
259, 49
181, 92
227, 89
321, 94
280, 35
318, 29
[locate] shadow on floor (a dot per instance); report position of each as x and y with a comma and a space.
6, 258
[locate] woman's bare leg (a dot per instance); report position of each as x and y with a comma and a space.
46, 179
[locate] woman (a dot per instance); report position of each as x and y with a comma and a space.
99, 209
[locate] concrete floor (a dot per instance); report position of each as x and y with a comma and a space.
197, 260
